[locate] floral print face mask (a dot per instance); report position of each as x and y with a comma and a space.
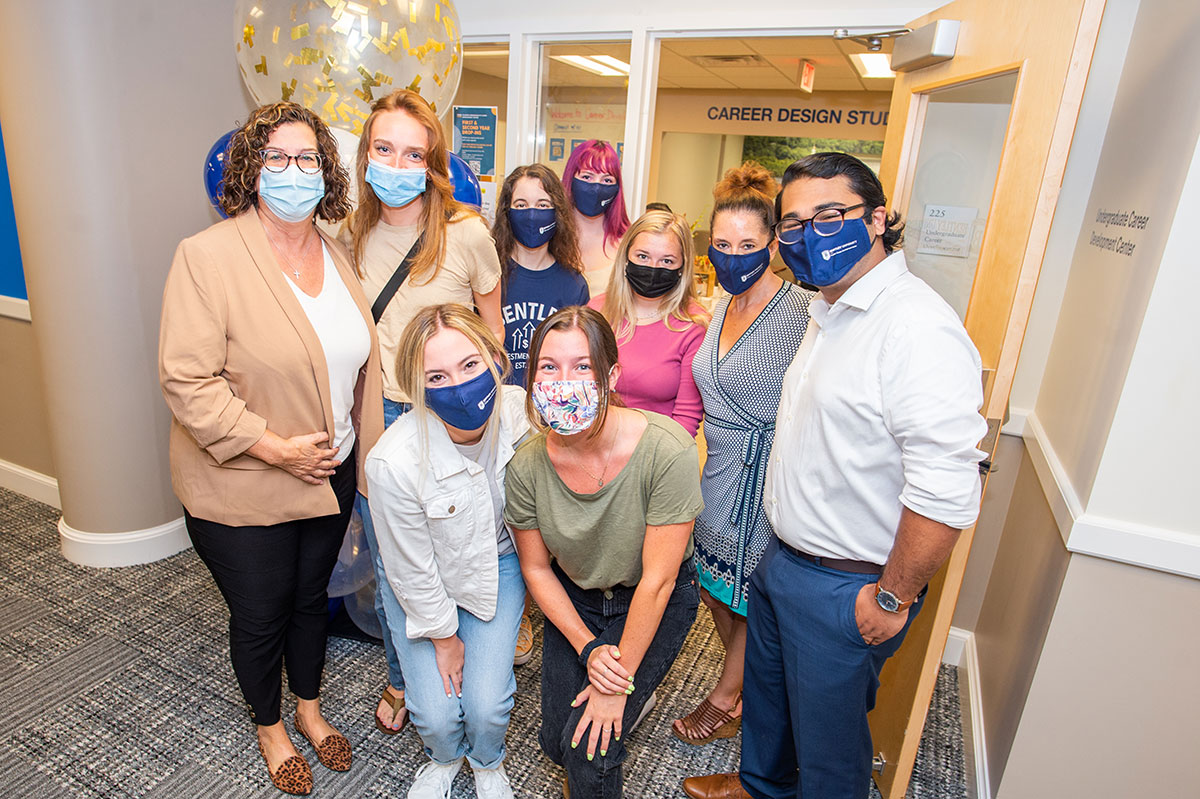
567, 406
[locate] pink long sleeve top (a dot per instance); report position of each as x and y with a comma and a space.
656, 369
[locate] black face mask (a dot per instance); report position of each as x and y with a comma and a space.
651, 281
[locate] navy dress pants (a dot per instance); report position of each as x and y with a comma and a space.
810, 681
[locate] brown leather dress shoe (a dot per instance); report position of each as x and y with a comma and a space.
715, 786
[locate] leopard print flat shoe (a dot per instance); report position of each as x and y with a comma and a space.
333, 752
293, 775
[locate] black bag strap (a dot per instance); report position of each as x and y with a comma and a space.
397, 278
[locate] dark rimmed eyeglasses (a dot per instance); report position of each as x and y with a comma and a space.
277, 160
826, 222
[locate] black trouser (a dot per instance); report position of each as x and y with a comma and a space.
274, 579
563, 676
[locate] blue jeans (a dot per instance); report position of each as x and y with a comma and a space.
392, 411
475, 723
810, 681
563, 677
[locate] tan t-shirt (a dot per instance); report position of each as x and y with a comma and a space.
470, 266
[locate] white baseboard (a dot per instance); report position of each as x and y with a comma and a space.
1015, 426
960, 651
952, 655
123, 549
1120, 540
35, 485
14, 308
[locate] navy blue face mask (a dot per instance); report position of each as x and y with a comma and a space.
532, 227
736, 273
466, 406
592, 199
824, 260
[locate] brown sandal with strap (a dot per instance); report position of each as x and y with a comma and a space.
333, 752
396, 703
708, 723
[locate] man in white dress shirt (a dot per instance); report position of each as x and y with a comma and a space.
873, 475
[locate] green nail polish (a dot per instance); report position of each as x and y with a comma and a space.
574, 744
603, 752
590, 756
618, 738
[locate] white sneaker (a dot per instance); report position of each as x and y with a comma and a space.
492, 783
433, 780
646, 708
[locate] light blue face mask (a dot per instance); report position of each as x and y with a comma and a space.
291, 194
394, 187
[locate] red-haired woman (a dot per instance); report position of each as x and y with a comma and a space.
592, 180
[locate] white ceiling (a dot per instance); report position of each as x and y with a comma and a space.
687, 64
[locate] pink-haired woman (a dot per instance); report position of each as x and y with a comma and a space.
592, 180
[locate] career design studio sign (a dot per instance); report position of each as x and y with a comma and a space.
839, 115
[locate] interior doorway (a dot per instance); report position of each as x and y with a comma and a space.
722, 101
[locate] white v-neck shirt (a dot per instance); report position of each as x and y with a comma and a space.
346, 341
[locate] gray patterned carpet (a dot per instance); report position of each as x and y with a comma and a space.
116, 683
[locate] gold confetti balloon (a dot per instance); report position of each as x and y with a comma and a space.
338, 56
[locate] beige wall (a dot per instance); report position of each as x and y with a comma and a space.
98, 230
24, 425
1107, 293
1114, 710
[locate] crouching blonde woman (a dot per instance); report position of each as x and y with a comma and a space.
439, 472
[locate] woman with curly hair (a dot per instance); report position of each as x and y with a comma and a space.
269, 363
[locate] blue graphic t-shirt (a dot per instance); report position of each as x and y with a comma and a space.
529, 297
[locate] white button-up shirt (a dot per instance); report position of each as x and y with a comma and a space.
879, 410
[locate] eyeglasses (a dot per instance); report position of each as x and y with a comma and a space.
824, 223
277, 160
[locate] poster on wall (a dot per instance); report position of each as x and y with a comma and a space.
475, 143
13, 298
569, 125
947, 230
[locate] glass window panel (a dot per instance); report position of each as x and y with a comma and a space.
479, 120
584, 87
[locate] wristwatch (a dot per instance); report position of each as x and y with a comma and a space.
889, 601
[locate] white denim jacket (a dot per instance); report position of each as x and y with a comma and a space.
434, 518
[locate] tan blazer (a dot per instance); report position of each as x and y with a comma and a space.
237, 355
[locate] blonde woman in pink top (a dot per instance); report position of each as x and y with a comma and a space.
651, 306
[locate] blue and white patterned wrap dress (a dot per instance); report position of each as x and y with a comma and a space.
741, 398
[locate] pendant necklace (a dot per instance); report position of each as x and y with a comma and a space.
291, 266
600, 480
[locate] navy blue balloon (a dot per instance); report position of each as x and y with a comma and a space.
463, 182
214, 170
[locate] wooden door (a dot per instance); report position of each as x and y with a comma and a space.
1032, 56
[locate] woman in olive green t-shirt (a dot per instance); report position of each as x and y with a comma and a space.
601, 503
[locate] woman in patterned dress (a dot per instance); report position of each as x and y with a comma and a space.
739, 368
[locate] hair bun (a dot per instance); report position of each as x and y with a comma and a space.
750, 177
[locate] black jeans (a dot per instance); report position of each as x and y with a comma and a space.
604, 612
274, 580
